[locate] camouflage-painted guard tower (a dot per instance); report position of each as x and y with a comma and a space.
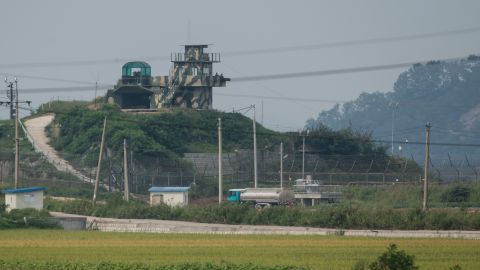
191, 80
189, 84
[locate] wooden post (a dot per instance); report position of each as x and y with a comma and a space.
125, 171
220, 165
99, 164
281, 165
427, 162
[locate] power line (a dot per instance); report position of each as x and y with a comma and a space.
352, 42
281, 98
334, 71
246, 78
83, 62
64, 89
45, 78
253, 51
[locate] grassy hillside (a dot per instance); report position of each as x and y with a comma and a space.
166, 134
158, 141
33, 169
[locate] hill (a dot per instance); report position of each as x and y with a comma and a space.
158, 143
443, 93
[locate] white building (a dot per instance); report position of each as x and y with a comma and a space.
173, 196
20, 198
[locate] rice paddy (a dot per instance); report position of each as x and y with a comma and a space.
314, 252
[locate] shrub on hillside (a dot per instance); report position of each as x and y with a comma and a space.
392, 259
343, 216
27, 218
456, 194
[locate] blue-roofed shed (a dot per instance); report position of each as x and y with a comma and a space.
173, 196
19, 198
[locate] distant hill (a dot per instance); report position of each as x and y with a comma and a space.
447, 94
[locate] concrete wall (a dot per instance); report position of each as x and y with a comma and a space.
165, 226
24, 200
72, 223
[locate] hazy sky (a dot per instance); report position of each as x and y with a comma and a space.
63, 31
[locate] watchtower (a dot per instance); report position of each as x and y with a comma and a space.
139, 73
134, 89
191, 78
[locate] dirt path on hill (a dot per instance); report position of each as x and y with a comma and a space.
35, 130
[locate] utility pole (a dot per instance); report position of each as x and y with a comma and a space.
95, 99
303, 152
262, 113
427, 162
10, 96
303, 158
255, 172
17, 139
99, 165
393, 122
125, 171
13, 97
281, 165
220, 164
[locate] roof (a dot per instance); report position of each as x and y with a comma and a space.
23, 190
136, 64
236, 189
168, 189
196, 45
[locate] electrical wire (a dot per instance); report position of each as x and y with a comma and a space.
327, 72
254, 51
45, 78
248, 78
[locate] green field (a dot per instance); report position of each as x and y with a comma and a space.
315, 252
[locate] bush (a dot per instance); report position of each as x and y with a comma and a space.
27, 218
343, 216
394, 259
456, 194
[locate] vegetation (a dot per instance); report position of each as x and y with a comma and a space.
159, 141
34, 169
443, 93
392, 259
60, 106
75, 248
137, 266
455, 194
26, 218
344, 216
167, 134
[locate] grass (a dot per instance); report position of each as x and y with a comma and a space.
315, 252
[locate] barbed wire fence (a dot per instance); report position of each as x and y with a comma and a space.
200, 168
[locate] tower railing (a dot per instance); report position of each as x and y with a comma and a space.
205, 57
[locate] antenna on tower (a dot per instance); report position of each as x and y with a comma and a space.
188, 32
